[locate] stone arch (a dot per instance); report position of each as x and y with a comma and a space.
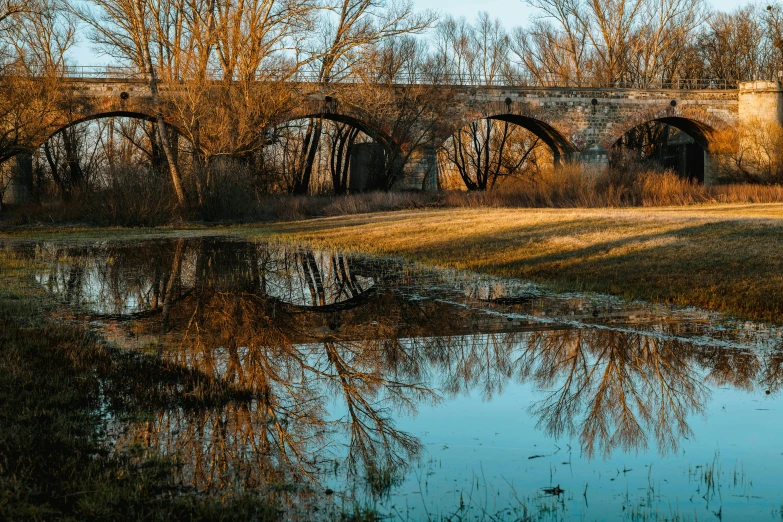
363, 173
536, 119
559, 144
138, 115
697, 123
378, 135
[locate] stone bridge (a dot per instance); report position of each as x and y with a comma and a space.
579, 124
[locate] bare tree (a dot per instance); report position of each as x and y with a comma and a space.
402, 96
731, 45
610, 41
348, 29
34, 38
487, 151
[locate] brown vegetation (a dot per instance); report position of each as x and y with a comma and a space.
722, 257
134, 197
231, 150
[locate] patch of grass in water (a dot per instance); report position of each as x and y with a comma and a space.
381, 480
55, 379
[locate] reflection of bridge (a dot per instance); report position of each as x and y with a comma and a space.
578, 123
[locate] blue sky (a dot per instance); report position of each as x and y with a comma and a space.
511, 12
516, 12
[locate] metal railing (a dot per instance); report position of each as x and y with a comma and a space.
99, 72
113, 72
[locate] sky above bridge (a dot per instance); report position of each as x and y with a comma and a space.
511, 12
517, 12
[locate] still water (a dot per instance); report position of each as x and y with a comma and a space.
430, 394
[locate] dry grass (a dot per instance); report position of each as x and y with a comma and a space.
725, 257
572, 186
140, 198
694, 251
56, 378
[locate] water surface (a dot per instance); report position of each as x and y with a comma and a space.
433, 394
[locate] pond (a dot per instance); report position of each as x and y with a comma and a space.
431, 394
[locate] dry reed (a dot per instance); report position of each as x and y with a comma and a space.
137, 199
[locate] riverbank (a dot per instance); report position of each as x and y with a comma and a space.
61, 387
722, 257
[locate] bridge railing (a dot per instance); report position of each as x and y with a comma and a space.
97, 72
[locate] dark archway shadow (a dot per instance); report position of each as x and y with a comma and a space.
687, 159
377, 135
560, 145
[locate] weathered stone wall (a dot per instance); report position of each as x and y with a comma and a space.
16, 181
579, 124
760, 102
566, 116
584, 125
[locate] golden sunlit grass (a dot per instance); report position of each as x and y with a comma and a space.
726, 257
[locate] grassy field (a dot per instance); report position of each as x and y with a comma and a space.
724, 257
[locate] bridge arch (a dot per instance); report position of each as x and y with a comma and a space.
137, 115
377, 135
559, 144
688, 159
528, 119
697, 123
497, 146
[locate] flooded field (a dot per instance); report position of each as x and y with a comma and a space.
373, 386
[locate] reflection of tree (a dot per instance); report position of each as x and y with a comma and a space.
112, 279
370, 394
615, 389
737, 368
296, 329
292, 363
482, 361
771, 375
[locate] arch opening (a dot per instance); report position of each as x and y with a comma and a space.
559, 145
88, 154
327, 153
673, 143
102, 116
499, 150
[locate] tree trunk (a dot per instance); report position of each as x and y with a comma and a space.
310, 148
65, 194
72, 158
163, 131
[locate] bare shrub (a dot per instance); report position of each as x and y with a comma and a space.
131, 197
230, 190
747, 193
667, 189
565, 186
140, 197
752, 152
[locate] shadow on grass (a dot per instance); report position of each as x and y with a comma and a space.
733, 266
